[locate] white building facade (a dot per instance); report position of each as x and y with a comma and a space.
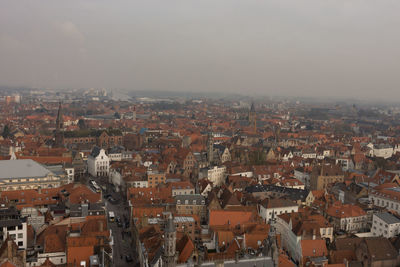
385, 224
217, 175
98, 163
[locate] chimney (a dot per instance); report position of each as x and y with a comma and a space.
85, 209
145, 221
101, 226
39, 190
10, 250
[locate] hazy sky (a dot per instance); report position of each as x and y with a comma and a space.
299, 47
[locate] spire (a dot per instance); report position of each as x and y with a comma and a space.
253, 117
59, 120
252, 108
59, 137
210, 145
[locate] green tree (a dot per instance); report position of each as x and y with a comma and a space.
81, 124
6, 131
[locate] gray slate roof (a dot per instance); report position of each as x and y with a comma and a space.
21, 168
387, 218
190, 198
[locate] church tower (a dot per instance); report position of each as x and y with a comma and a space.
59, 136
253, 117
210, 149
169, 243
210, 146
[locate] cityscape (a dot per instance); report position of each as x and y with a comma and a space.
88, 179
199, 133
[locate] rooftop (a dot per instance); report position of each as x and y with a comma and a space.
22, 168
387, 218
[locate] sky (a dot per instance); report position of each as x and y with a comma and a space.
323, 48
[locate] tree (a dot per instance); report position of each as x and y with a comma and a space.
81, 124
6, 131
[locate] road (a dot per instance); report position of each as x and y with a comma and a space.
121, 235
122, 240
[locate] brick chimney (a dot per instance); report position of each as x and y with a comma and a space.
101, 226
10, 250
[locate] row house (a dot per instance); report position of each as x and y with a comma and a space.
386, 196
299, 226
191, 205
271, 207
155, 178
347, 217
14, 225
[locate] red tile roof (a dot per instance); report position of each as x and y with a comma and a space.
185, 247
313, 248
345, 211
233, 218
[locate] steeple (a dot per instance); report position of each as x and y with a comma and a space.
210, 146
253, 117
59, 120
59, 136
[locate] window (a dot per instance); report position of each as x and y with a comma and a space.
20, 243
20, 235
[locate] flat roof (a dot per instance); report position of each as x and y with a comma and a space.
387, 218
22, 168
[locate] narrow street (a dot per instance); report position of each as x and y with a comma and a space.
121, 234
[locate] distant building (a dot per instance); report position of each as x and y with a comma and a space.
324, 175
101, 138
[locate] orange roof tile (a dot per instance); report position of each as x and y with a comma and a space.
313, 248
233, 218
